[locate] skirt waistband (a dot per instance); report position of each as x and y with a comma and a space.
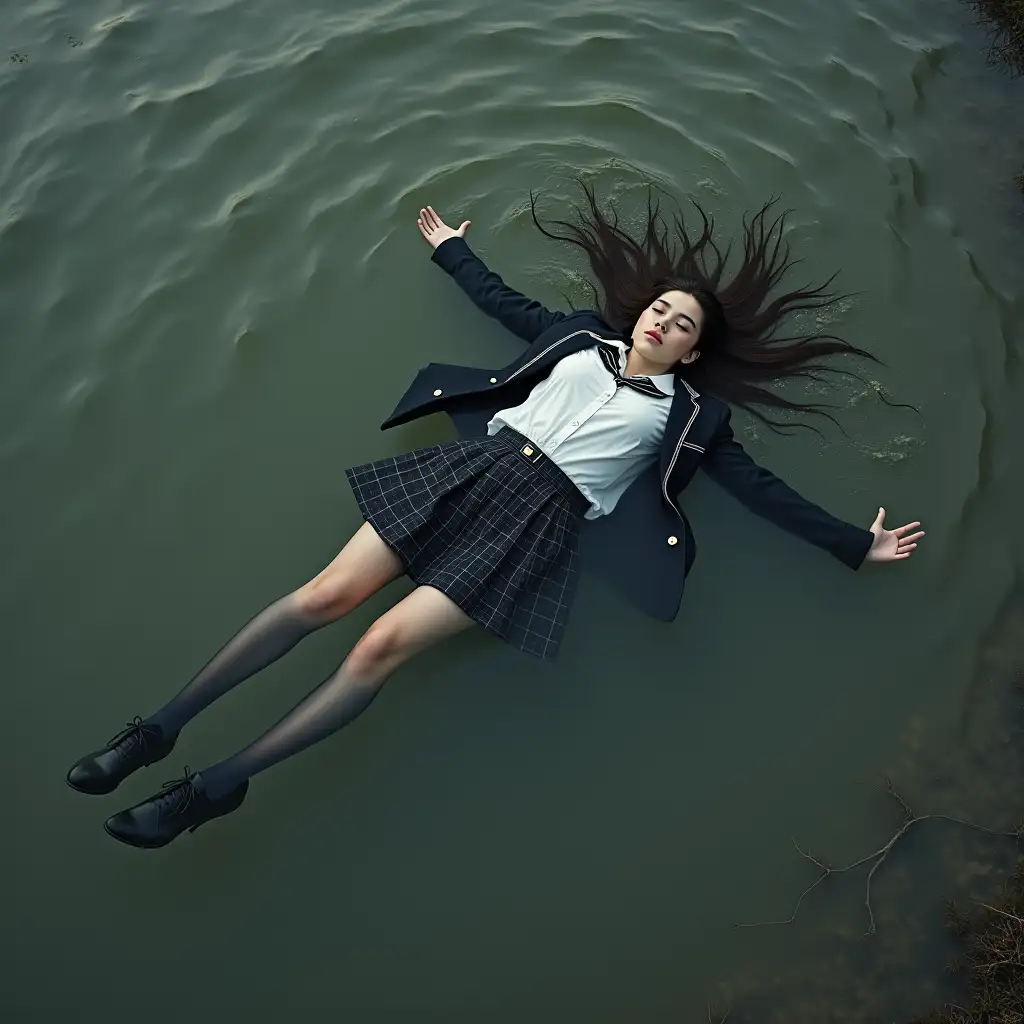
528, 451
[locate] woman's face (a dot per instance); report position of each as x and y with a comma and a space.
674, 321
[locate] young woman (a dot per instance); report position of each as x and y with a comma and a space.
589, 436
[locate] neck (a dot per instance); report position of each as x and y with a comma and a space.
638, 366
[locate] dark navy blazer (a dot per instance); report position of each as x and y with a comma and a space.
661, 550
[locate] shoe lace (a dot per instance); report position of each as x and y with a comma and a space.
178, 794
134, 733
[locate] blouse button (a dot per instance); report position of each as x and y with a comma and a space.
494, 380
673, 540
437, 392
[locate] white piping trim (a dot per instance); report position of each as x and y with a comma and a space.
550, 347
682, 440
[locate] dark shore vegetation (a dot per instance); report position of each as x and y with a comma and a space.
1005, 21
992, 959
968, 778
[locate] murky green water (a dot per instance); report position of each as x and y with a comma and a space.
207, 210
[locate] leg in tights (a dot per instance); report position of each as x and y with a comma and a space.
363, 566
264, 639
422, 618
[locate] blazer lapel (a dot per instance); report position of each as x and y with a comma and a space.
548, 352
681, 417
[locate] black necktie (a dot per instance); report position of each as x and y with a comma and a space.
610, 358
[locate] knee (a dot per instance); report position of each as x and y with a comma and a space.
326, 598
380, 648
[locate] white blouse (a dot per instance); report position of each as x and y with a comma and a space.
601, 436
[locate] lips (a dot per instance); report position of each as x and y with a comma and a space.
654, 336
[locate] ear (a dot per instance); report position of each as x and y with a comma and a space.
691, 357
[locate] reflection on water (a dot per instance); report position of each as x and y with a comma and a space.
206, 211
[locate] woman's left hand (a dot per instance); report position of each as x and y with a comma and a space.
892, 545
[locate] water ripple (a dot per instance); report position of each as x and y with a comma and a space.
207, 213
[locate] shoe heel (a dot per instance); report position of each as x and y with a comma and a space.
228, 808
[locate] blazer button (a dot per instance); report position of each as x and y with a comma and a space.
437, 392
494, 380
673, 540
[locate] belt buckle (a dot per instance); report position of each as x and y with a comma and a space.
533, 454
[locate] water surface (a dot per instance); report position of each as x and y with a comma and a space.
212, 291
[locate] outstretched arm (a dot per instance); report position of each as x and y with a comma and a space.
524, 317
728, 464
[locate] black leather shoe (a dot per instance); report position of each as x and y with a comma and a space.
183, 804
104, 770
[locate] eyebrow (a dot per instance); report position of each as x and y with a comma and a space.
690, 318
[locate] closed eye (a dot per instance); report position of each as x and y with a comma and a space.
681, 324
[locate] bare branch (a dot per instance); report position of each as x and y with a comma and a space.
908, 814
878, 858
1005, 913
827, 868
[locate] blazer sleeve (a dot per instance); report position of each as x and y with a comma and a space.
524, 317
728, 464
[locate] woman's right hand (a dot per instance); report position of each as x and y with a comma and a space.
435, 231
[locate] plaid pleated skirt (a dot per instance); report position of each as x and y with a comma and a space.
491, 522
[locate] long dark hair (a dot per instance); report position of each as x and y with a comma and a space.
740, 350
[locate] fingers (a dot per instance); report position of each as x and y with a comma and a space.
892, 556
901, 530
427, 221
906, 540
903, 551
879, 520
430, 224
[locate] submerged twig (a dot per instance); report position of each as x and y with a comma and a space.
879, 856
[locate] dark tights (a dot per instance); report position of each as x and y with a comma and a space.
339, 699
